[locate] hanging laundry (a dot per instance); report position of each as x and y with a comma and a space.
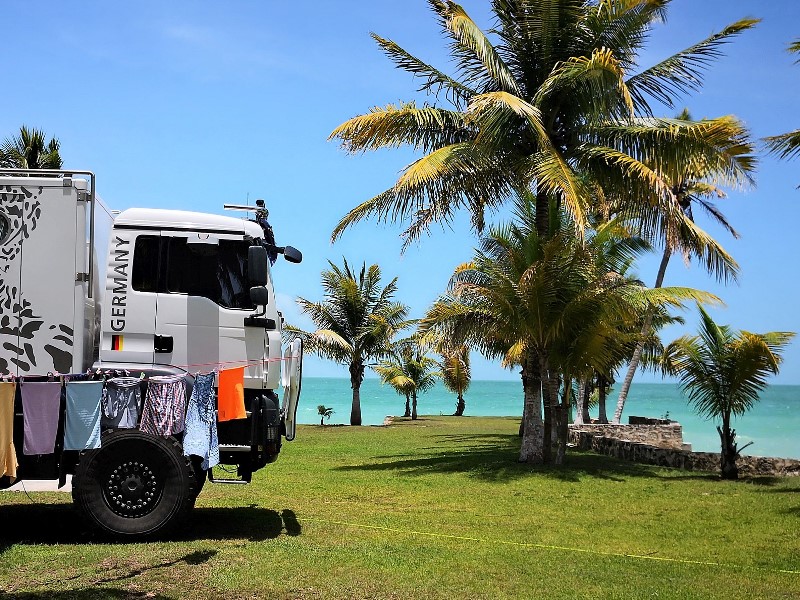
164, 405
8, 456
230, 401
122, 398
41, 407
201, 425
82, 431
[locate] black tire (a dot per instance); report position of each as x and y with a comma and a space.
135, 486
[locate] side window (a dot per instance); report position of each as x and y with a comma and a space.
217, 272
232, 275
144, 276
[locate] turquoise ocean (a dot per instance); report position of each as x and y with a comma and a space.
773, 425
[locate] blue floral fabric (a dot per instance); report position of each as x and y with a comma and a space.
200, 438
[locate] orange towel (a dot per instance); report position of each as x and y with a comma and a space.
8, 456
230, 397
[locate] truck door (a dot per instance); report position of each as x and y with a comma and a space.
201, 311
40, 255
129, 306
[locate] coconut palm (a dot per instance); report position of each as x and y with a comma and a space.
529, 111
786, 145
409, 371
29, 150
723, 371
355, 322
394, 372
693, 180
324, 413
541, 303
456, 374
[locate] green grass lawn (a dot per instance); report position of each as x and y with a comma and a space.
436, 508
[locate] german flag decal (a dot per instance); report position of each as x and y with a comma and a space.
116, 342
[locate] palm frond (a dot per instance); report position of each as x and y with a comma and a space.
716, 150
456, 92
623, 26
786, 145
433, 188
496, 114
597, 81
682, 72
392, 126
554, 176
795, 48
479, 58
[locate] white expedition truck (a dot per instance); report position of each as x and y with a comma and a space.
150, 292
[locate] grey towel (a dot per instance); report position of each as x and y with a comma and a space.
40, 409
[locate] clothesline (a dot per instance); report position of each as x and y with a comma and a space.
196, 367
92, 405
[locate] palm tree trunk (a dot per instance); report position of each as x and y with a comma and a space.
408, 406
355, 409
460, 406
582, 400
637, 353
413, 406
356, 377
531, 426
729, 454
550, 397
602, 389
563, 421
542, 218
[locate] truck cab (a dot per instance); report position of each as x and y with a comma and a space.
179, 295
144, 292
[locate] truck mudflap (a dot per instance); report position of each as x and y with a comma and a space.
291, 380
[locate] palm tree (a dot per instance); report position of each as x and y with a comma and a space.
394, 372
786, 145
723, 372
529, 114
541, 303
29, 150
324, 413
409, 371
693, 179
456, 374
355, 322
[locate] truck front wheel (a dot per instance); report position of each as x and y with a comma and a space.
136, 485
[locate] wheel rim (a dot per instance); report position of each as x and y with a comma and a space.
132, 488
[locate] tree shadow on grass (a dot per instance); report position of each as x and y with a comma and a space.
494, 457
52, 524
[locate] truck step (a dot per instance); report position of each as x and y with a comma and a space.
234, 448
228, 481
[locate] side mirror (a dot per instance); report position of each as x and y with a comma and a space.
257, 267
259, 295
293, 255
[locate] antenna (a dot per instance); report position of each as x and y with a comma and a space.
259, 206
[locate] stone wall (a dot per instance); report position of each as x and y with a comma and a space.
661, 436
752, 466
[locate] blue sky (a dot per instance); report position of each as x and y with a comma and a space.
191, 105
